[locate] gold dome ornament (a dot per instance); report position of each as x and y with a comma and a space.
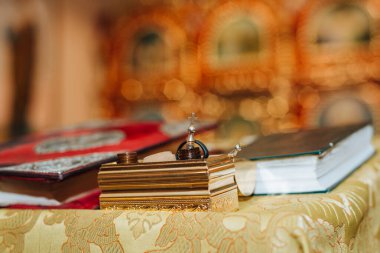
187, 149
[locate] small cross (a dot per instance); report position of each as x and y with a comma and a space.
193, 118
235, 151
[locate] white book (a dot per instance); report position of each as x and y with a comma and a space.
309, 167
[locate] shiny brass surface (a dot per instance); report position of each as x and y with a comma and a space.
128, 157
197, 185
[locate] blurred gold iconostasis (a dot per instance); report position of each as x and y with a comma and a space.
259, 66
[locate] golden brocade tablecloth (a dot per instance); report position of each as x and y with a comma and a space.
345, 220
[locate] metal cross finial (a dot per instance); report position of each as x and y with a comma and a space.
193, 118
191, 129
235, 151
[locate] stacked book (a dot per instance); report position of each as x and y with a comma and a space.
307, 161
203, 184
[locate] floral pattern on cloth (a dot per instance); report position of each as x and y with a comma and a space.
13, 227
142, 222
344, 220
81, 230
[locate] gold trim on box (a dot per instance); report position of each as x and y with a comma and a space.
121, 185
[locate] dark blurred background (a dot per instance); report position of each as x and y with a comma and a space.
259, 66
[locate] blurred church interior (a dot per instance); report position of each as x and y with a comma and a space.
259, 66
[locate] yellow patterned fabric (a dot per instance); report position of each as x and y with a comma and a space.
345, 220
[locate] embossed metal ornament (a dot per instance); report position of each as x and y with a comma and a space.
80, 142
58, 166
